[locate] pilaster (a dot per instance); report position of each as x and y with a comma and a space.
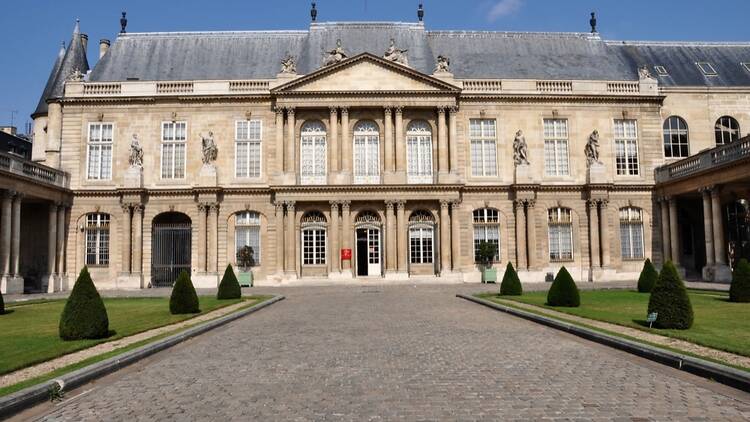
445, 237
346, 233
456, 236
333, 236
520, 208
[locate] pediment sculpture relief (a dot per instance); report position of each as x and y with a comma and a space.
334, 56
395, 54
210, 151
443, 65
288, 65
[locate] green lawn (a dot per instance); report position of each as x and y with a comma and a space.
718, 323
28, 332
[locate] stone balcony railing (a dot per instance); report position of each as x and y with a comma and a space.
705, 160
35, 171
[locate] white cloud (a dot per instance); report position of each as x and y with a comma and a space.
504, 8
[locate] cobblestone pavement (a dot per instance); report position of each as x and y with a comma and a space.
393, 353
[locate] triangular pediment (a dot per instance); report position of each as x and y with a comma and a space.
365, 73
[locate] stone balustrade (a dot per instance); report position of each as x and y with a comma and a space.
705, 160
35, 171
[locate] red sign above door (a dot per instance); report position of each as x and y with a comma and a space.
346, 254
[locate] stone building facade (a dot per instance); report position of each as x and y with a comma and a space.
376, 151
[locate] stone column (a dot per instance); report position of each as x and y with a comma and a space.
346, 234
279, 140
54, 134
291, 238
52, 244
389, 158
346, 144
333, 235
333, 152
665, 238
445, 237
400, 143
279, 237
137, 265
401, 250
291, 142
453, 135
213, 238
720, 247
708, 226
442, 142
673, 232
455, 236
531, 233
520, 234
16, 236
61, 239
5, 226
390, 233
202, 242
126, 240
604, 229
593, 206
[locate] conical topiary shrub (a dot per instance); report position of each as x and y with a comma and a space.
563, 291
184, 300
84, 315
739, 290
669, 299
229, 288
648, 277
511, 285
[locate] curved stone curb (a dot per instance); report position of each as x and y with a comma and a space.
30, 396
717, 372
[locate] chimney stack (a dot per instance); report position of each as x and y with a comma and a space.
85, 42
103, 47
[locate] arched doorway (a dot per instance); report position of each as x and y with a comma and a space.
170, 248
368, 249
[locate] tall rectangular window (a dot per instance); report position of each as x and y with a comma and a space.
97, 239
556, 147
247, 234
560, 225
626, 147
314, 246
421, 245
100, 151
173, 146
631, 233
248, 135
483, 147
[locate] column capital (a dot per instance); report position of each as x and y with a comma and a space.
9, 194
592, 204
519, 204
400, 204
290, 205
389, 205
603, 203
137, 208
398, 110
345, 204
19, 196
202, 207
125, 208
453, 109
279, 205
344, 111
530, 203
388, 110
213, 208
279, 110
441, 110
444, 204
334, 205
290, 111
333, 109
455, 205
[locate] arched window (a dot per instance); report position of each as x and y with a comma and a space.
486, 229
314, 238
366, 152
97, 239
727, 130
631, 233
313, 153
675, 138
560, 234
421, 237
419, 152
247, 234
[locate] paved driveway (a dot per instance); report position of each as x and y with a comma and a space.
393, 353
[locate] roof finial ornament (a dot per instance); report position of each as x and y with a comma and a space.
77, 28
592, 22
420, 12
314, 12
123, 23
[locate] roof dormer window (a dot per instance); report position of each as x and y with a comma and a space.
746, 65
706, 68
661, 70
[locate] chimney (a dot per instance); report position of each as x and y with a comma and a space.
85, 42
103, 47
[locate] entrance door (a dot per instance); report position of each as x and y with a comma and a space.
170, 251
368, 252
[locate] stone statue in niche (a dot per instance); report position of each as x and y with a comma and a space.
395, 54
288, 66
136, 152
210, 151
443, 65
644, 73
334, 56
520, 149
592, 149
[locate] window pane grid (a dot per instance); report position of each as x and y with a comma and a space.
248, 148
420, 245
675, 138
626, 148
556, 147
560, 234
173, 150
314, 246
727, 130
631, 233
483, 147
97, 239
100, 151
247, 233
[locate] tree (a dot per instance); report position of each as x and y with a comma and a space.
184, 300
511, 285
229, 288
563, 291
486, 252
648, 277
739, 290
669, 299
84, 315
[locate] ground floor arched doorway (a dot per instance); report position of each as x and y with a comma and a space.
170, 248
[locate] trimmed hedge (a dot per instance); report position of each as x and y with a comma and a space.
511, 285
739, 290
647, 279
563, 291
84, 315
670, 300
184, 300
229, 288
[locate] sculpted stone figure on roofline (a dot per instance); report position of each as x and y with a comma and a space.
334, 56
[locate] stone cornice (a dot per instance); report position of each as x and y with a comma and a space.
541, 98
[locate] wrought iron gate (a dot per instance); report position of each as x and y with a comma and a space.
170, 252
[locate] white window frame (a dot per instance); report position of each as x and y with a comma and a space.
724, 134
554, 139
248, 221
631, 218
707, 68
486, 219
317, 257
423, 231
669, 132
173, 143
419, 132
368, 132
661, 70
560, 218
313, 131
249, 141
746, 65
483, 134
103, 170
626, 140
97, 224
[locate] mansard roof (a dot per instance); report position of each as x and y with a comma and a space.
473, 54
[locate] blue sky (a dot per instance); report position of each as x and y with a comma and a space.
32, 30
